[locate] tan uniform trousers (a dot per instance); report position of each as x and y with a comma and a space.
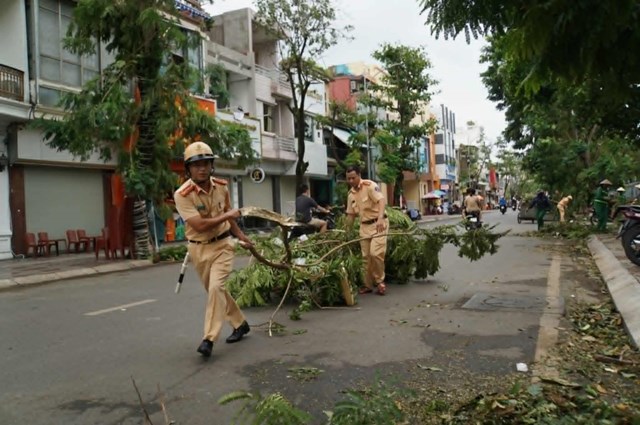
561, 210
373, 252
213, 263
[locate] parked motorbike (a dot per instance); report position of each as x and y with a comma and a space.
629, 232
454, 209
503, 209
472, 221
413, 214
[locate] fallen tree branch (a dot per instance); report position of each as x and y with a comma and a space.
286, 291
607, 359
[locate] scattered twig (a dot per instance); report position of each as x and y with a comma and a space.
608, 359
147, 419
167, 421
286, 291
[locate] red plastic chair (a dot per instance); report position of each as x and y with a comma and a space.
90, 241
102, 242
30, 242
73, 241
43, 239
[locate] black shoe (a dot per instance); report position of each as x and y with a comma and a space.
205, 348
239, 332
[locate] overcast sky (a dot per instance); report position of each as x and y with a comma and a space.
455, 63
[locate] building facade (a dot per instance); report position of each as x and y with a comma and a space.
445, 149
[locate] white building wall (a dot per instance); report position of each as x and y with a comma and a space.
13, 33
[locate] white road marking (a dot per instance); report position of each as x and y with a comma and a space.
549, 323
120, 307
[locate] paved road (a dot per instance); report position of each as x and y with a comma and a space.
69, 349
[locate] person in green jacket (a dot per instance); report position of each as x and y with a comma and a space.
601, 204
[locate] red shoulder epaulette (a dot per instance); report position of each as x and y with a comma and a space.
219, 181
187, 190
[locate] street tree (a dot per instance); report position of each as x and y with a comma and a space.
140, 108
306, 30
574, 40
569, 134
405, 91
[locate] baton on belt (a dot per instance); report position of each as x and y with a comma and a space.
182, 270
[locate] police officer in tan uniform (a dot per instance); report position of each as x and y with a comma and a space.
562, 206
203, 203
367, 202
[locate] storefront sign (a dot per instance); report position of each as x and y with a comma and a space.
257, 175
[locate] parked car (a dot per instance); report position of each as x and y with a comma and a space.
527, 213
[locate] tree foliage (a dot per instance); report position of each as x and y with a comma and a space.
306, 30
572, 135
404, 91
141, 106
574, 40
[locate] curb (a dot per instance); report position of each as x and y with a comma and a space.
623, 287
23, 281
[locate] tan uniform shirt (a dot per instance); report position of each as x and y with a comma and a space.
191, 200
564, 202
471, 203
363, 200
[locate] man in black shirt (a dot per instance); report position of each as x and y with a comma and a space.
304, 205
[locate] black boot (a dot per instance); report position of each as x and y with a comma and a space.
239, 332
205, 348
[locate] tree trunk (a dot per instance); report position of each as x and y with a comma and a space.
144, 149
397, 190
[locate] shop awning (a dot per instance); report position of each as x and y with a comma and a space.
342, 135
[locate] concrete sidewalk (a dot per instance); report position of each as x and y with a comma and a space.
622, 278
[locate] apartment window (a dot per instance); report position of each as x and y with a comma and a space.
58, 65
267, 118
440, 158
439, 139
309, 127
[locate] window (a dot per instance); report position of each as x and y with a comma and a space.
309, 128
267, 118
58, 65
439, 139
440, 158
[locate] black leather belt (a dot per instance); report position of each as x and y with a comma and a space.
373, 220
212, 240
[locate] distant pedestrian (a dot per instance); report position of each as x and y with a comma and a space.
562, 206
601, 204
542, 204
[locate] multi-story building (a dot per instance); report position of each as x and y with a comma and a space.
15, 102
417, 185
349, 83
472, 172
49, 190
259, 89
445, 146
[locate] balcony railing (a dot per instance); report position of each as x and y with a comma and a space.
279, 84
11, 83
278, 147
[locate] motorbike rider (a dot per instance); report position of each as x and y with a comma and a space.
305, 204
472, 205
502, 203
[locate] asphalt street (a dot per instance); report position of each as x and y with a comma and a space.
70, 349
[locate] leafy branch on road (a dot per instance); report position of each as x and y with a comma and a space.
325, 269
